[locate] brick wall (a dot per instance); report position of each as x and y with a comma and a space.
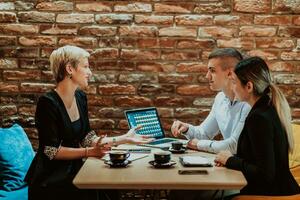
143, 53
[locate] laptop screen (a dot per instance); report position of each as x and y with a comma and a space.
148, 118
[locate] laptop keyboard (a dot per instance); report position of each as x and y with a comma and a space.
161, 141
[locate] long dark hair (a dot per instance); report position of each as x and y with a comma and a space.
255, 70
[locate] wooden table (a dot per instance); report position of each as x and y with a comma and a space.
141, 175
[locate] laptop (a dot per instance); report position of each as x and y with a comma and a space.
149, 119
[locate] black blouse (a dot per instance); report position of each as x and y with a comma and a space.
55, 129
262, 153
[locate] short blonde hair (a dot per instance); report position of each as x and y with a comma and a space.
62, 56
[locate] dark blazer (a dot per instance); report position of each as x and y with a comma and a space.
54, 129
262, 153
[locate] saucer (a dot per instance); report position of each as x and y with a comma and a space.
123, 164
163, 165
182, 150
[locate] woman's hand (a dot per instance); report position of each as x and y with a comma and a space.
132, 138
222, 158
100, 149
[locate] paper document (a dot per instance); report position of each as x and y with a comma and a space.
190, 161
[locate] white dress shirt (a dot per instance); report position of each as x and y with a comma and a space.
225, 116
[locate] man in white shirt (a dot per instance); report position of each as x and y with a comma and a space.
227, 115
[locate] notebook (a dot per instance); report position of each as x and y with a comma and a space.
195, 161
149, 119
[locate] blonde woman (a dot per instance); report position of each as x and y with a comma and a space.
65, 136
263, 146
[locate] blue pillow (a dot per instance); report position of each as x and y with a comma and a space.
16, 154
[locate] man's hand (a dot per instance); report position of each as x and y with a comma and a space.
178, 127
192, 144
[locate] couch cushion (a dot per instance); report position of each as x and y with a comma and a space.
294, 158
16, 154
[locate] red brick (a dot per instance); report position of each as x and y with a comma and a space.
196, 44
156, 67
34, 64
46, 52
102, 123
133, 7
103, 78
7, 40
34, 16
171, 101
10, 75
109, 42
7, 17
13, 29
255, 31
153, 19
113, 89
79, 41
194, 20
296, 113
173, 8
8, 110
133, 101
75, 18
289, 32
21, 5
272, 20
148, 43
109, 112
178, 32
47, 76
176, 55
7, 63
165, 112
230, 20
244, 43
56, 29
207, 102
191, 112
8, 87
290, 55
94, 100
98, 31
105, 53
283, 6
7, 6
36, 87
175, 78
114, 18
281, 66
288, 79
128, 42
155, 89
140, 54
274, 43
265, 54
113, 65
296, 20
194, 90
167, 42
216, 31
131, 78
94, 7
27, 110
252, 6
191, 67
218, 7
55, 6
27, 53
37, 41
138, 31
